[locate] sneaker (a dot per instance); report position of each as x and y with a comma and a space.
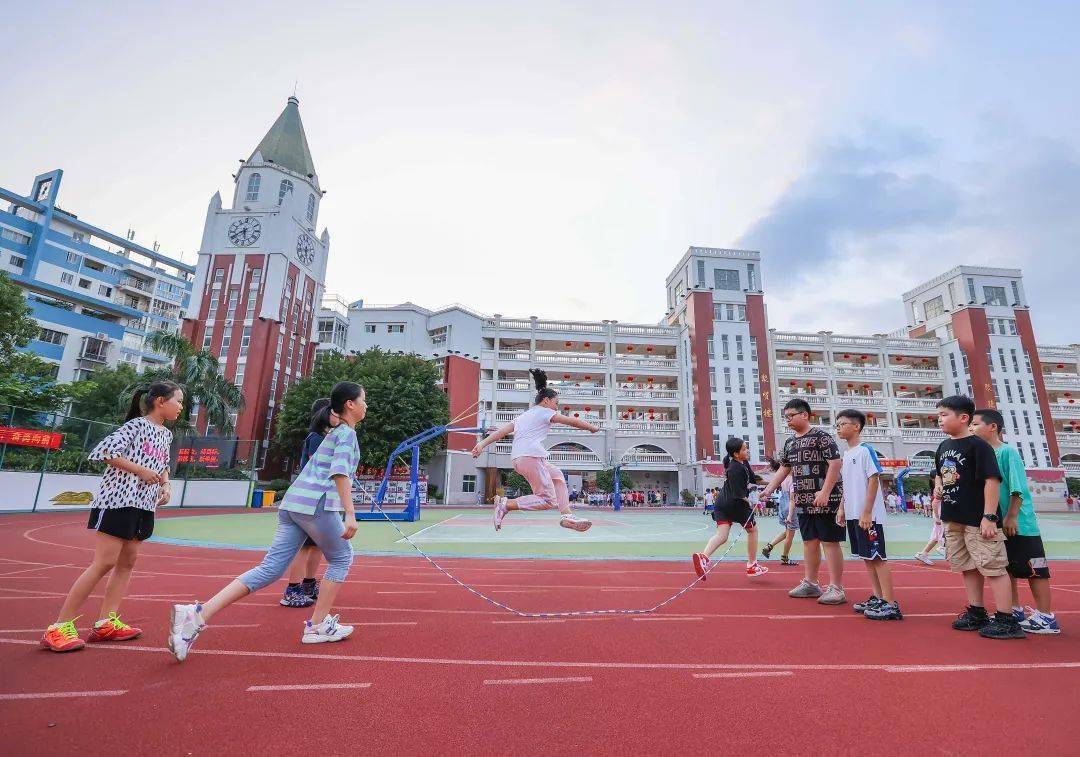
971, 619
924, 558
941, 550
884, 611
185, 625
328, 630
870, 604
785, 560
295, 596
1018, 614
62, 637
755, 569
833, 595
1039, 623
701, 565
113, 629
807, 589
1002, 628
766, 551
500, 511
310, 587
575, 524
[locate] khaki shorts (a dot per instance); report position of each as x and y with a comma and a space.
968, 550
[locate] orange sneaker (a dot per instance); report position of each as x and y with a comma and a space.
113, 629
62, 637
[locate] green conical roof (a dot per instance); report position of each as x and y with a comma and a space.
286, 144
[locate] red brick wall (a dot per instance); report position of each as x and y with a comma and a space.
973, 334
699, 321
463, 389
1027, 338
759, 330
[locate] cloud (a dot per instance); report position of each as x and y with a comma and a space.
879, 212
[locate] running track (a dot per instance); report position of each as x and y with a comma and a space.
735, 665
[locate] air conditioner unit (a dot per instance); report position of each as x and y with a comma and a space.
101, 335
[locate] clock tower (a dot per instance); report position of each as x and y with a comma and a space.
260, 278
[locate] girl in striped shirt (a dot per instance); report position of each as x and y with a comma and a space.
311, 507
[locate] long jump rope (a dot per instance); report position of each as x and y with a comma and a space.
565, 614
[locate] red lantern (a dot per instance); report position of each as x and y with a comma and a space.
869, 416
568, 343
806, 354
792, 353
928, 388
577, 415
865, 386
588, 378
903, 388
630, 348
652, 417
625, 416
862, 357
850, 386
587, 409
907, 417
629, 378
1059, 364
846, 356
793, 383
630, 409
648, 349
650, 379
1068, 394
810, 384
899, 359
651, 411
566, 408
1072, 402
926, 360
566, 375
587, 344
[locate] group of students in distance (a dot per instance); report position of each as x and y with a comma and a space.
986, 516
980, 480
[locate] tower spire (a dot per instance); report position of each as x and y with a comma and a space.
286, 143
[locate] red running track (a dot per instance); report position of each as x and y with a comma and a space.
736, 665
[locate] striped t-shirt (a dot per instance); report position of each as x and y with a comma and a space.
338, 455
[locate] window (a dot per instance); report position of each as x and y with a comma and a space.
253, 295
17, 261
104, 291
711, 349
468, 483
256, 277
395, 328
73, 259
701, 273
751, 277
1020, 390
1027, 423
1008, 391
1034, 454
738, 347
971, 290
369, 328
208, 338
273, 382
245, 340
952, 363
727, 379
934, 308
745, 413
233, 297
994, 295
1020, 448
238, 379
712, 381
742, 381
718, 312
284, 189
726, 279
1016, 291
226, 340
1001, 358
757, 414
219, 275
1027, 361
724, 347
741, 311
1012, 327
1016, 426
15, 236
716, 445
757, 383
212, 312
715, 412
253, 188
311, 208
67, 278
730, 412
52, 337
753, 348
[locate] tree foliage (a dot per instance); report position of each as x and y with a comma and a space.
18, 326
513, 480
107, 397
27, 381
402, 395
605, 480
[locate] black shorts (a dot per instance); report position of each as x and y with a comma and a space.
129, 523
738, 511
308, 542
1027, 557
821, 527
869, 545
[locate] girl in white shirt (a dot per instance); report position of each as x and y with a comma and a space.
529, 457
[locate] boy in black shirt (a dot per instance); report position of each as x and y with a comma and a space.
974, 542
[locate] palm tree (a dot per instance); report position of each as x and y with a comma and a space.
199, 374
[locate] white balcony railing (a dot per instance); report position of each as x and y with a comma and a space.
514, 386
649, 428
1062, 410
782, 336
917, 373
1061, 381
522, 355
872, 434
860, 400
561, 358
647, 394
855, 341
633, 361
581, 391
800, 369
1057, 351
921, 434
859, 372
915, 403
573, 456
1068, 439
1072, 470
648, 458
922, 345
628, 330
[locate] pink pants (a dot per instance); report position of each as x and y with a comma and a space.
547, 482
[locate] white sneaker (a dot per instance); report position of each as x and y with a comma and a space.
328, 630
575, 524
924, 558
185, 626
500, 511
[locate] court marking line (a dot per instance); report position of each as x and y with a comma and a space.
512, 681
425, 528
643, 620
750, 674
602, 665
529, 622
63, 694
309, 687
409, 591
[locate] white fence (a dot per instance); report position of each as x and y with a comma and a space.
29, 490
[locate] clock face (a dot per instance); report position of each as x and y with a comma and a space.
305, 249
43, 190
244, 232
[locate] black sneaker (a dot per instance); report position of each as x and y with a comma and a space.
1002, 628
885, 611
971, 619
766, 551
869, 604
295, 597
785, 560
310, 588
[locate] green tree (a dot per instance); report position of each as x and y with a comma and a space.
402, 395
199, 374
27, 381
19, 327
513, 480
605, 480
107, 397
1074, 486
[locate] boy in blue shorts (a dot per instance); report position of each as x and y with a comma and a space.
1023, 543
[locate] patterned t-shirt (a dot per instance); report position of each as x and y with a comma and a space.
338, 455
142, 442
808, 457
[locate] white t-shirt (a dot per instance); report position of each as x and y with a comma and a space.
860, 463
530, 431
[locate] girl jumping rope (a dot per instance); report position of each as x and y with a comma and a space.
733, 506
312, 506
303, 589
135, 483
529, 457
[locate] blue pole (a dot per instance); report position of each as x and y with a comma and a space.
413, 507
616, 499
901, 505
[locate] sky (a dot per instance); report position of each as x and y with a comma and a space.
557, 159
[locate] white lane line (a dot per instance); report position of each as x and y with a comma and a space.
519, 591
64, 694
642, 620
929, 668
537, 620
410, 591
753, 674
425, 528
504, 681
383, 623
310, 686
801, 617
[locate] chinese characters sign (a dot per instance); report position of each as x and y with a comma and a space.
24, 437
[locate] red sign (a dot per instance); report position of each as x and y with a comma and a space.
25, 437
208, 456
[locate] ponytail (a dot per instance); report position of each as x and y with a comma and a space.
732, 447
320, 416
142, 402
543, 391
